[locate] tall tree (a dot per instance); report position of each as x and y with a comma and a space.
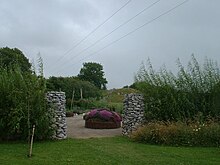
11, 57
93, 72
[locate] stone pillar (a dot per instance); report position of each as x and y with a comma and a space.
133, 115
57, 101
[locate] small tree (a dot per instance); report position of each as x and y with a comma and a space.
93, 72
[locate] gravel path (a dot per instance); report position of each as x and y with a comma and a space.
76, 129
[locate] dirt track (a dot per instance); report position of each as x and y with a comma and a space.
76, 129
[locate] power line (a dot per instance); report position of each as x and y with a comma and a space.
121, 25
95, 29
134, 30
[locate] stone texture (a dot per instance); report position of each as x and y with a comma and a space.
57, 101
133, 115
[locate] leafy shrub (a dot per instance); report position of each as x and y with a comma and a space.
179, 134
23, 104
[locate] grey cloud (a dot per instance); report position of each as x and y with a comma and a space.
52, 27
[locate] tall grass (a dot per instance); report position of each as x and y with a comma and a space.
194, 91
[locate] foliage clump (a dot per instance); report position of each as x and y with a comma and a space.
23, 104
181, 109
194, 90
179, 133
11, 58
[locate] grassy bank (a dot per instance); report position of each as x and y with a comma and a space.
103, 151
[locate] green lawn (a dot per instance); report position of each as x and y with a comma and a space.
117, 150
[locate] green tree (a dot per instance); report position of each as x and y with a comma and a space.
93, 72
10, 58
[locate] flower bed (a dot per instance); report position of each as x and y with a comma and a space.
102, 119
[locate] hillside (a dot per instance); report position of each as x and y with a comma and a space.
117, 95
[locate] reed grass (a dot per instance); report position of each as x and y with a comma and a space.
194, 90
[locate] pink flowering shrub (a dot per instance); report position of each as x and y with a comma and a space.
103, 114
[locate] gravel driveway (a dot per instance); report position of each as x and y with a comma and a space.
76, 129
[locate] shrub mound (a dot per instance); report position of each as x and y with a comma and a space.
179, 134
102, 119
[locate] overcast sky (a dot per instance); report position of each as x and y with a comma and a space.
57, 29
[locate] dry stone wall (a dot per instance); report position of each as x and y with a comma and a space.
133, 115
57, 101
